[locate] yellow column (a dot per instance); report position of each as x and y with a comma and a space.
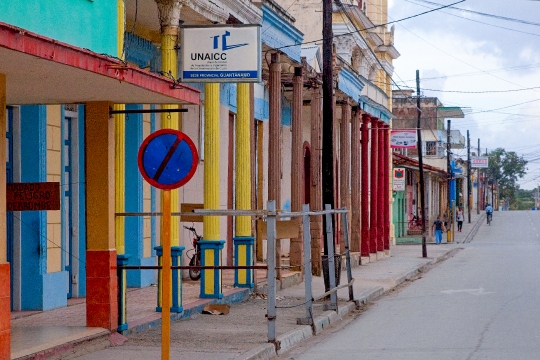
120, 149
5, 326
211, 160
211, 245
169, 65
119, 176
101, 280
243, 241
243, 170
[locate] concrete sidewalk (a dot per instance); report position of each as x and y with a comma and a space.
242, 334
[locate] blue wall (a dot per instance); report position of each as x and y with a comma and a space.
134, 225
39, 290
83, 23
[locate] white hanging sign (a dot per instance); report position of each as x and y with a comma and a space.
403, 139
220, 53
399, 179
480, 162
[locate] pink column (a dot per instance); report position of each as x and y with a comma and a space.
387, 165
365, 241
355, 181
374, 195
380, 187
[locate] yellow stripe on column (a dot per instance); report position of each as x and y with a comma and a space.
211, 160
120, 176
169, 64
243, 160
242, 261
209, 274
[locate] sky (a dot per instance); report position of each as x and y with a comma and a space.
481, 62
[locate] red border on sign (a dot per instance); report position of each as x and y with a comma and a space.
182, 137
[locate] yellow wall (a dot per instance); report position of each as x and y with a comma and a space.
54, 169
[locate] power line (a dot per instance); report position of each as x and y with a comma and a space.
480, 22
499, 17
372, 27
481, 92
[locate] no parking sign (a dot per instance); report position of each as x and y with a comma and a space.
167, 159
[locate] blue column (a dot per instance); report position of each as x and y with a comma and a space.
159, 254
39, 290
243, 250
134, 225
210, 256
82, 204
122, 260
176, 253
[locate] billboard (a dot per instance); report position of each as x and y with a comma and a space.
479, 162
403, 139
220, 53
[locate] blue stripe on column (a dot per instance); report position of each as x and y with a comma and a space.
82, 204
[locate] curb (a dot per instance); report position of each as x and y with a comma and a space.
71, 349
474, 230
291, 339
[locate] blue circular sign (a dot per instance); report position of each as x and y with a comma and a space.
167, 159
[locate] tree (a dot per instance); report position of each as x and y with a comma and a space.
505, 168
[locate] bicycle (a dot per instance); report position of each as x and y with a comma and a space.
415, 223
489, 218
194, 255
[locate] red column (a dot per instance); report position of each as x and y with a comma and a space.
380, 187
374, 195
355, 182
364, 220
5, 322
387, 187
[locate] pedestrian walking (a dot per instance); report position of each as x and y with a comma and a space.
439, 228
459, 218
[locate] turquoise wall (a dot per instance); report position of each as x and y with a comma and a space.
83, 23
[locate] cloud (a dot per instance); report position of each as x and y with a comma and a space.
455, 54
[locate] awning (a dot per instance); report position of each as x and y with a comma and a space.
40, 70
405, 161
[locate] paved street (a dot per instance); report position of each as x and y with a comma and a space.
242, 334
480, 304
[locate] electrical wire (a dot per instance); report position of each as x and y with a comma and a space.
499, 17
480, 22
480, 92
369, 28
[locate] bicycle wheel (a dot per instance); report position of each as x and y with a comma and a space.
195, 274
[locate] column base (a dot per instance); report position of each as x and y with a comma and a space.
243, 251
5, 322
102, 289
211, 279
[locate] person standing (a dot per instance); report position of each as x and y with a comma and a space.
439, 227
459, 218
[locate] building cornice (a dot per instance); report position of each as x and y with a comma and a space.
244, 11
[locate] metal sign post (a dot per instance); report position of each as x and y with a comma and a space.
167, 160
166, 278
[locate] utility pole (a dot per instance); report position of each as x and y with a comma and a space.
421, 166
449, 176
328, 120
469, 192
478, 185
